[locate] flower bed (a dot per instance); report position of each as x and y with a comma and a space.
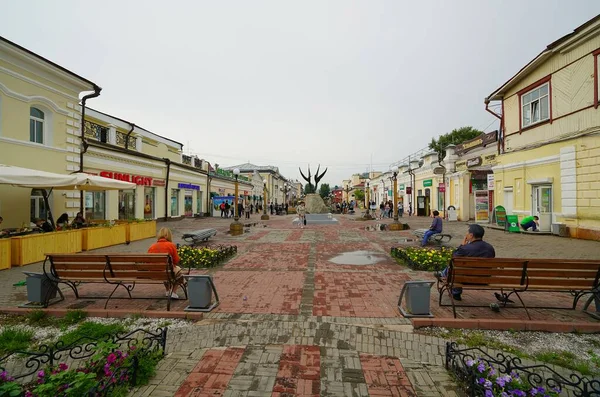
484, 375
109, 366
204, 257
424, 258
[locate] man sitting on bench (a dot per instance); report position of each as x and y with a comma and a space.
435, 228
472, 246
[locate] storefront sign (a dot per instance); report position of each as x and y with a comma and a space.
221, 190
137, 179
474, 162
480, 141
428, 182
401, 186
409, 190
230, 174
482, 207
158, 182
442, 187
490, 179
188, 186
500, 214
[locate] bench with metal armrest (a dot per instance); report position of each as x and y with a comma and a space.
199, 236
437, 238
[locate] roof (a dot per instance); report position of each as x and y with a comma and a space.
247, 167
41, 58
130, 123
587, 28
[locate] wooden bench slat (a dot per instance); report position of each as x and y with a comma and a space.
487, 265
71, 275
564, 265
490, 272
77, 258
79, 266
139, 275
498, 280
147, 258
142, 267
536, 273
565, 283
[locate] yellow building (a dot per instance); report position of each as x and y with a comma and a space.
40, 120
550, 134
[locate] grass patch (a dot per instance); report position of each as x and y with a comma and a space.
39, 318
12, 339
73, 317
566, 359
478, 339
91, 330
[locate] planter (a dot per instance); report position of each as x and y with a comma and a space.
141, 230
34, 247
5, 253
101, 236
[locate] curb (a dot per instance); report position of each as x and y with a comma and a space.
506, 325
113, 313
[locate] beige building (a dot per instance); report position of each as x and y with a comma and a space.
550, 135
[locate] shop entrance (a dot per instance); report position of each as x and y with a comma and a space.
126, 204
422, 206
188, 203
542, 205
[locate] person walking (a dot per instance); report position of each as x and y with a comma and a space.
248, 210
301, 211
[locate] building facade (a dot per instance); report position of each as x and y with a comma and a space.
40, 121
550, 135
275, 182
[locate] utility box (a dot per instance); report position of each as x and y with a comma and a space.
418, 294
560, 229
452, 215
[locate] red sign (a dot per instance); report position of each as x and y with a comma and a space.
408, 190
442, 189
158, 182
245, 192
137, 179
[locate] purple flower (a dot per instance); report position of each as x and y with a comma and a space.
487, 384
488, 393
504, 394
41, 374
470, 363
481, 381
481, 367
28, 394
492, 371
501, 381
518, 393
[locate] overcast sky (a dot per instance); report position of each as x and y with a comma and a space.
348, 84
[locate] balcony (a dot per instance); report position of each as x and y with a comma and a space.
186, 159
95, 131
122, 139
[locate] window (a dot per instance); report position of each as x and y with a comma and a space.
126, 204
95, 205
535, 105
174, 202
596, 78
36, 125
148, 203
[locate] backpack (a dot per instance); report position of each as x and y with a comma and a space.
222, 206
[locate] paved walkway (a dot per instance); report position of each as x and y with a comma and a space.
291, 322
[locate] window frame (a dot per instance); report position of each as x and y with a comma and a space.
595, 54
530, 88
37, 120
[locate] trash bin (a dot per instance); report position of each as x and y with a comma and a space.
39, 288
417, 294
200, 289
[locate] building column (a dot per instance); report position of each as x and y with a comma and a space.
568, 181
112, 204
139, 202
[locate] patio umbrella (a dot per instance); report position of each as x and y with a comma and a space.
34, 179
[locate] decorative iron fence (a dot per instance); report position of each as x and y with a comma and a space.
482, 375
186, 159
95, 131
23, 366
122, 139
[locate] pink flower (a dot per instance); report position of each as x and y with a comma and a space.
41, 374
63, 367
111, 358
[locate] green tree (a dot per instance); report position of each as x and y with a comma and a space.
324, 190
309, 188
359, 196
456, 136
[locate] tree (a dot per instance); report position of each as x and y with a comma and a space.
454, 137
309, 188
324, 190
359, 196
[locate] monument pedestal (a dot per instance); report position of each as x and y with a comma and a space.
264, 217
315, 204
396, 226
236, 228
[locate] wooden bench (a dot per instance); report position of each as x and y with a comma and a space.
120, 270
437, 238
515, 276
199, 236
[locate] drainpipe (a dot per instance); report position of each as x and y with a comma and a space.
128, 135
168, 163
208, 179
500, 117
84, 144
412, 187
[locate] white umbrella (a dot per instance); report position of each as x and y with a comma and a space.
91, 183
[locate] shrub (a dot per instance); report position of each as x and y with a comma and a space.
13, 339
425, 258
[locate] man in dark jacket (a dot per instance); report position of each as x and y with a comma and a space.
472, 246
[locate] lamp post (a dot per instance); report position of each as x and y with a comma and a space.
236, 227
395, 225
264, 216
368, 213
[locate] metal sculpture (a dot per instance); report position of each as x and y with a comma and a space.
317, 176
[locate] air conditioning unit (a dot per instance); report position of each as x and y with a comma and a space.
560, 229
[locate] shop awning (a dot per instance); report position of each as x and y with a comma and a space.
25, 177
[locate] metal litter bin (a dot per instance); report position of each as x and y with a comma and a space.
39, 288
200, 289
417, 294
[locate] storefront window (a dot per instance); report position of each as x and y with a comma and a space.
188, 203
199, 202
94, 205
37, 205
174, 202
440, 199
126, 204
148, 203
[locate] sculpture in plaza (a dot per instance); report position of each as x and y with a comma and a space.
317, 176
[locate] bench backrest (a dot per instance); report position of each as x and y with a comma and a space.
558, 273
484, 271
117, 267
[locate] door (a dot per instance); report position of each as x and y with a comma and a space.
508, 201
542, 205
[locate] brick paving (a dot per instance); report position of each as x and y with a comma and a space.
291, 322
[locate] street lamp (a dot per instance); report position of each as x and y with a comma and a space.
236, 227
264, 216
395, 225
285, 189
